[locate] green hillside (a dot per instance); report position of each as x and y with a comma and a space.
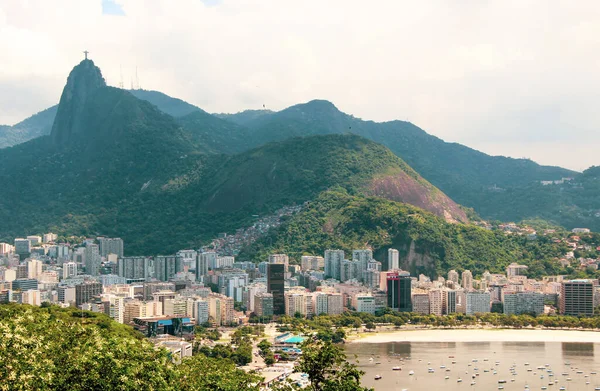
215, 134
172, 106
496, 187
69, 349
37, 125
117, 165
223, 192
427, 244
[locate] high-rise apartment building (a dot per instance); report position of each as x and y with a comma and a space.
436, 301
453, 276
34, 240
207, 260
111, 246
514, 270
517, 303
49, 237
263, 304
22, 247
224, 262
6, 249
298, 302
135, 267
201, 311
276, 286
577, 297
24, 284
166, 266
327, 303
220, 309
362, 259
66, 294
348, 270
393, 259
69, 270
478, 302
449, 302
467, 280
189, 258
86, 291
399, 291
333, 263
31, 297
309, 262
363, 302
34, 269
420, 303
251, 291
93, 259
232, 284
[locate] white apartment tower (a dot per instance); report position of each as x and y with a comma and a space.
393, 259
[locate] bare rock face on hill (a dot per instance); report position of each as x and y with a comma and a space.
84, 80
402, 187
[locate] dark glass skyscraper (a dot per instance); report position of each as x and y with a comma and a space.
275, 285
399, 291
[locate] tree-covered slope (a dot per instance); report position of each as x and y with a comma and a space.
165, 103
245, 117
116, 165
497, 187
105, 148
222, 193
68, 349
298, 169
427, 244
37, 125
215, 134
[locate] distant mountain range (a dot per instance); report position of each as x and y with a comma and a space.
150, 162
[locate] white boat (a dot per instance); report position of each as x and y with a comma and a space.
472, 382
396, 369
446, 377
459, 380
411, 372
377, 377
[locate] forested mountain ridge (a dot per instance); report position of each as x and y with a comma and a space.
35, 126
117, 165
496, 187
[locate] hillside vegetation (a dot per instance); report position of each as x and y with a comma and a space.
427, 244
116, 165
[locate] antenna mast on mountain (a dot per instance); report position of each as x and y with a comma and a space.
121, 80
137, 80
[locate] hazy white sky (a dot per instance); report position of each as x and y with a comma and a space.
509, 77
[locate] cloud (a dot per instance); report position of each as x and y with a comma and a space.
511, 77
109, 7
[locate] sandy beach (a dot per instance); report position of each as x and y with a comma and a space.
480, 335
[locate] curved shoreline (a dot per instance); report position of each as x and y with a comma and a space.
479, 335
